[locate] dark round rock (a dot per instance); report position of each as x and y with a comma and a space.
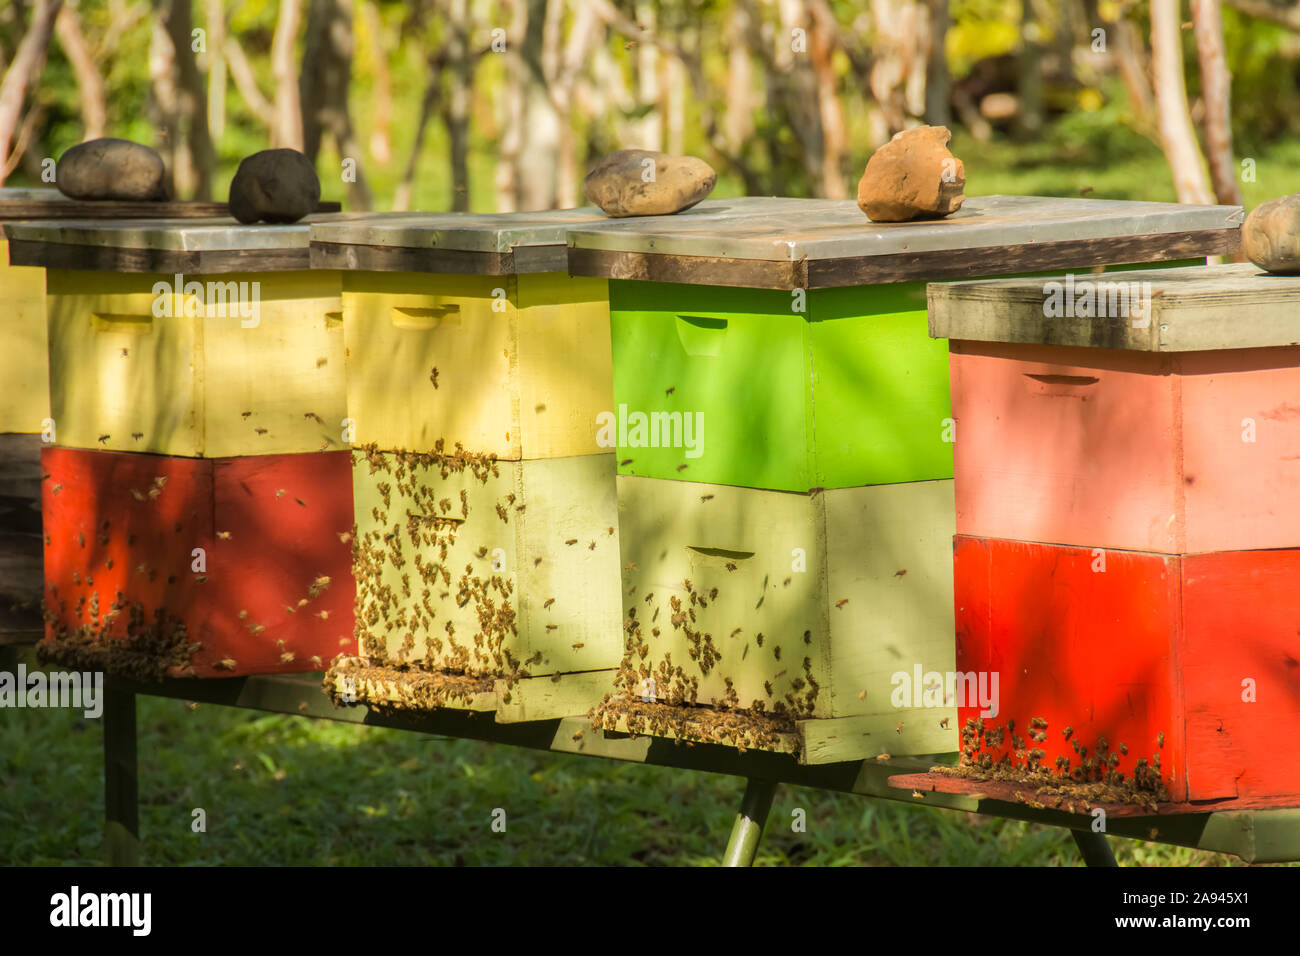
275, 185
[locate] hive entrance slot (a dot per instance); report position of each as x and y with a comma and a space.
425, 317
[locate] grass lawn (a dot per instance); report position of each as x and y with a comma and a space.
288, 790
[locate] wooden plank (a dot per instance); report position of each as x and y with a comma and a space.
898, 267
24, 360
121, 783
21, 561
200, 382
164, 261
546, 698
355, 258
1181, 452
220, 566
66, 208
1233, 306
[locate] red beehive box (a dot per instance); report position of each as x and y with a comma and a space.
165, 566
1194, 659
1128, 521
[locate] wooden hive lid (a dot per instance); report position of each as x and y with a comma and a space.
833, 243
490, 243
1233, 306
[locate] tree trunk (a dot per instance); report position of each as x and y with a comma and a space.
1029, 76
191, 101
511, 117
583, 36
25, 68
90, 85
738, 118
216, 20
938, 81
535, 176
380, 144
649, 133
822, 30
1285, 12
1130, 54
1216, 87
456, 105
1171, 103
287, 131
323, 92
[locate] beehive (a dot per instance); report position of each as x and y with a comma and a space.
195, 338
1141, 594
820, 413
160, 565
213, 557
468, 349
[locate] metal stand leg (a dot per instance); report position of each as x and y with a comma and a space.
754, 807
1093, 848
121, 812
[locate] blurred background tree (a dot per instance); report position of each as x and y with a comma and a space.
504, 104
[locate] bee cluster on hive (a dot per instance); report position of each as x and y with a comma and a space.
674, 709
1095, 778
409, 594
148, 652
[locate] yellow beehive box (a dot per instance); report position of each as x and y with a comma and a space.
197, 338
802, 607
487, 568
513, 366
24, 357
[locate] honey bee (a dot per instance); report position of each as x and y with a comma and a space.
1160, 739
137, 495
571, 542
609, 530
433, 376
578, 646
103, 438
625, 461
706, 497
224, 535
882, 756
314, 417
786, 582
548, 602
918, 794
301, 502
244, 414
899, 728
631, 567
536, 562
807, 637
260, 431
681, 467
243, 614
202, 579
944, 723
345, 537
279, 492
56, 489
578, 735
324, 615
670, 389
899, 573
841, 602
302, 602
759, 639
137, 435
735, 632
862, 695
730, 565
225, 664
287, 657
154, 492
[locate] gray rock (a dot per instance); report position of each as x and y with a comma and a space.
275, 185
624, 184
111, 169
1270, 237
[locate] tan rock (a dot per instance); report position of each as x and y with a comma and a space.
643, 182
913, 176
111, 168
1270, 237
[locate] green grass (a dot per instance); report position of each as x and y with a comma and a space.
281, 790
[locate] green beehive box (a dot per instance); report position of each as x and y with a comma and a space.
801, 355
